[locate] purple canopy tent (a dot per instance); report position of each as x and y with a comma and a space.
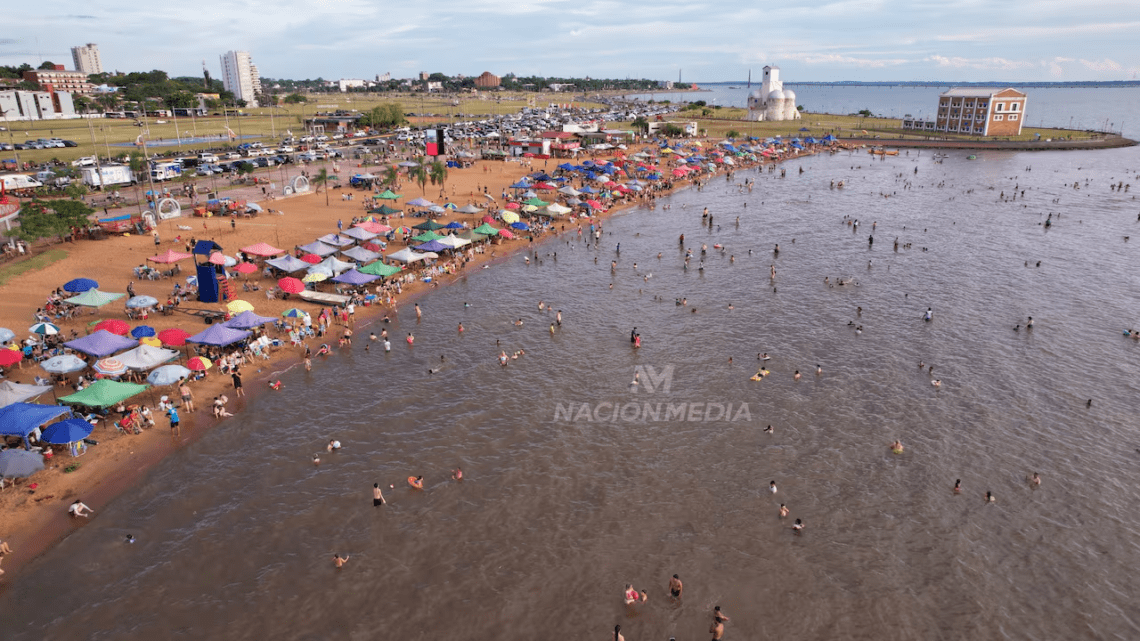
101, 343
353, 277
219, 335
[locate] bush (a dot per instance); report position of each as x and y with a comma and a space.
71, 468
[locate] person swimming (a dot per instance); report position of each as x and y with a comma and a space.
783, 510
416, 481
990, 498
772, 487
897, 447
768, 430
936, 382
958, 486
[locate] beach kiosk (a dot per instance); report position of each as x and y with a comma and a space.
208, 273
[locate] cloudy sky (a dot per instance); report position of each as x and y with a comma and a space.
823, 40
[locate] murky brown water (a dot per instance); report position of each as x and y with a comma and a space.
235, 533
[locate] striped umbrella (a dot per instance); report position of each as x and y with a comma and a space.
293, 313
110, 367
199, 363
44, 329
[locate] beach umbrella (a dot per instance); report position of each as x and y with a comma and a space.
199, 364
170, 256
153, 341
293, 313
143, 331
93, 298
513, 205
291, 285
520, 226
167, 375
403, 230
79, 285
20, 464
141, 302
9, 357
173, 337
506, 234
44, 329
6, 334
64, 364
67, 431
469, 209
239, 306
245, 268
312, 259
489, 220
113, 325
509, 217
315, 277
387, 195
374, 228
110, 367
455, 224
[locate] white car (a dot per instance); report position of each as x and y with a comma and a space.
338, 136
233, 156
85, 161
322, 138
285, 149
207, 158
359, 134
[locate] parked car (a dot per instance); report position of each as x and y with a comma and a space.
70, 143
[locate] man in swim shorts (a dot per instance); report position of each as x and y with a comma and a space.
675, 586
377, 495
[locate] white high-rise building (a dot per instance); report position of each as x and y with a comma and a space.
87, 59
238, 76
255, 76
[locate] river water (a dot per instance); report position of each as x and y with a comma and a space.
562, 506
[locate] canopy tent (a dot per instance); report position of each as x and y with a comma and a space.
426, 237
21, 419
93, 298
380, 269
318, 248
248, 320
472, 235
336, 240
114, 325
262, 249
205, 248
406, 255
361, 254
67, 431
359, 233
219, 335
18, 392
373, 228
354, 277
101, 343
287, 264
80, 285
387, 195
334, 265
428, 225
64, 364
555, 209
469, 209
104, 393
453, 242
486, 230
167, 375
420, 202
432, 246
170, 256
145, 357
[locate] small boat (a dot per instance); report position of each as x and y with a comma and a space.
971, 157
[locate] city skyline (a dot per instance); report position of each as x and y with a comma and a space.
868, 40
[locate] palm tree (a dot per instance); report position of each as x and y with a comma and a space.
419, 174
391, 175
438, 173
322, 178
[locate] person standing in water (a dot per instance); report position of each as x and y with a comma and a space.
377, 495
676, 587
929, 315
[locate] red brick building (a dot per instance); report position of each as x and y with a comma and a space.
59, 79
487, 80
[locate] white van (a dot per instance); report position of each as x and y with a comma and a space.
206, 157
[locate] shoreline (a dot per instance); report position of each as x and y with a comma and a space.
116, 472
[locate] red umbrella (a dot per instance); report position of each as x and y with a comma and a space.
372, 247
312, 259
512, 205
528, 155
506, 234
245, 268
9, 357
113, 325
291, 285
544, 186
488, 220
217, 258
174, 336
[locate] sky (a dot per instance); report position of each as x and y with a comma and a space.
703, 40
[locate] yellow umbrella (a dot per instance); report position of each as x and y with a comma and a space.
150, 340
667, 151
315, 277
529, 208
510, 217
697, 143
239, 306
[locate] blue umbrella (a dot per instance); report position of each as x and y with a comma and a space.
167, 375
520, 226
454, 225
522, 184
139, 302
6, 334
143, 330
64, 432
63, 364
80, 285
20, 464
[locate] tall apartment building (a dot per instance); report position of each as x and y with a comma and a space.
60, 80
87, 58
238, 76
981, 111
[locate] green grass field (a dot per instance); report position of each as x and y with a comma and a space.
12, 270
268, 124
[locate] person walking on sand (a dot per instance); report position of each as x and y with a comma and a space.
377, 495
187, 395
175, 430
238, 391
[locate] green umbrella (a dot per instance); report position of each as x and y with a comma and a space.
387, 195
536, 202
93, 298
379, 269
429, 225
104, 393
426, 237
486, 229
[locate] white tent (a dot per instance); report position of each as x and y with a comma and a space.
554, 209
18, 392
453, 241
145, 357
337, 267
407, 255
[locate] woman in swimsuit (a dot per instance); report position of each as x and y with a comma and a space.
631, 595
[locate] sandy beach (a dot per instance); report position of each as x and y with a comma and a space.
35, 518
